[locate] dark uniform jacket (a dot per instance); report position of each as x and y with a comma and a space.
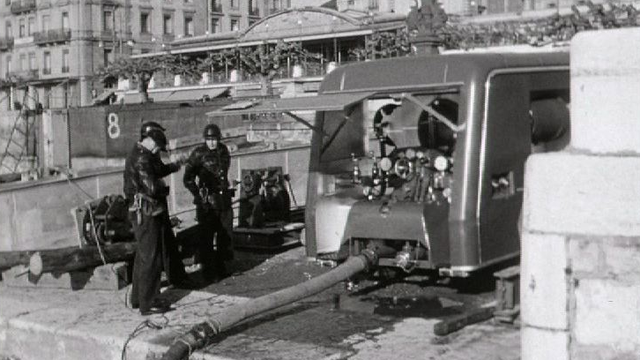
210, 167
143, 174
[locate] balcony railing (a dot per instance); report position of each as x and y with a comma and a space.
25, 75
6, 44
52, 36
20, 6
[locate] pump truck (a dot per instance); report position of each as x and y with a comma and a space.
427, 166
416, 163
423, 157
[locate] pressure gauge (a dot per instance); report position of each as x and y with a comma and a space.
404, 168
411, 154
420, 154
386, 164
400, 155
441, 163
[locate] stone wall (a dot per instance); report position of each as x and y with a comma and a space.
580, 283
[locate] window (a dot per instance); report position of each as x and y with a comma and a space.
373, 4
33, 65
107, 20
23, 62
46, 23
145, 23
8, 29
108, 56
216, 6
46, 62
22, 28
8, 65
253, 8
32, 26
215, 25
188, 25
167, 24
65, 20
65, 60
235, 25
7, 2
233, 4
351, 2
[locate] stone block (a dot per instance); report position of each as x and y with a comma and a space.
581, 194
579, 352
613, 257
541, 344
586, 255
606, 314
622, 258
605, 83
544, 285
106, 277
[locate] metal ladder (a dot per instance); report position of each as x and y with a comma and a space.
17, 142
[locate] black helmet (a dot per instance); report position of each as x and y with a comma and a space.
158, 136
148, 126
212, 131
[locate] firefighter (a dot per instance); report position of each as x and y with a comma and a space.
146, 195
172, 259
205, 176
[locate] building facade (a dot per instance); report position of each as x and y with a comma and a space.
54, 49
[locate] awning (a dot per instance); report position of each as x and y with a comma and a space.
178, 95
103, 97
323, 102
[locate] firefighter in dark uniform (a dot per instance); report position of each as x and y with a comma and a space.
205, 176
146, 195
172, 260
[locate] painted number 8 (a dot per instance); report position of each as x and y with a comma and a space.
113, 129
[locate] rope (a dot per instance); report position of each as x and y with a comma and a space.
95, 235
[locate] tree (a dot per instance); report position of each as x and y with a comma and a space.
265, 60
140, 70
184, 66
384, 44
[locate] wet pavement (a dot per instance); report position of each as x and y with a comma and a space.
377, 319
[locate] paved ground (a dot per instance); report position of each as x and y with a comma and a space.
376, 322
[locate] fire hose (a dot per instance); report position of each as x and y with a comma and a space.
200, 334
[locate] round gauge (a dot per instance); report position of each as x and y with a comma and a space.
420, 154
386, 164
403, 168
411, 154
441, 163
400, 155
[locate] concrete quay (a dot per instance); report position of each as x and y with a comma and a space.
41, 323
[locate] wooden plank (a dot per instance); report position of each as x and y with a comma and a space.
458, 322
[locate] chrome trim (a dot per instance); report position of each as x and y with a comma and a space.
469, 268
391, 89
483, 134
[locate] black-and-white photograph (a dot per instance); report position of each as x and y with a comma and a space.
319, 179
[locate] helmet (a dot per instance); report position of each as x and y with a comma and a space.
212, 131
148, 126
159, 138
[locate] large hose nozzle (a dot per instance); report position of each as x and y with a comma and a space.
201, 334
